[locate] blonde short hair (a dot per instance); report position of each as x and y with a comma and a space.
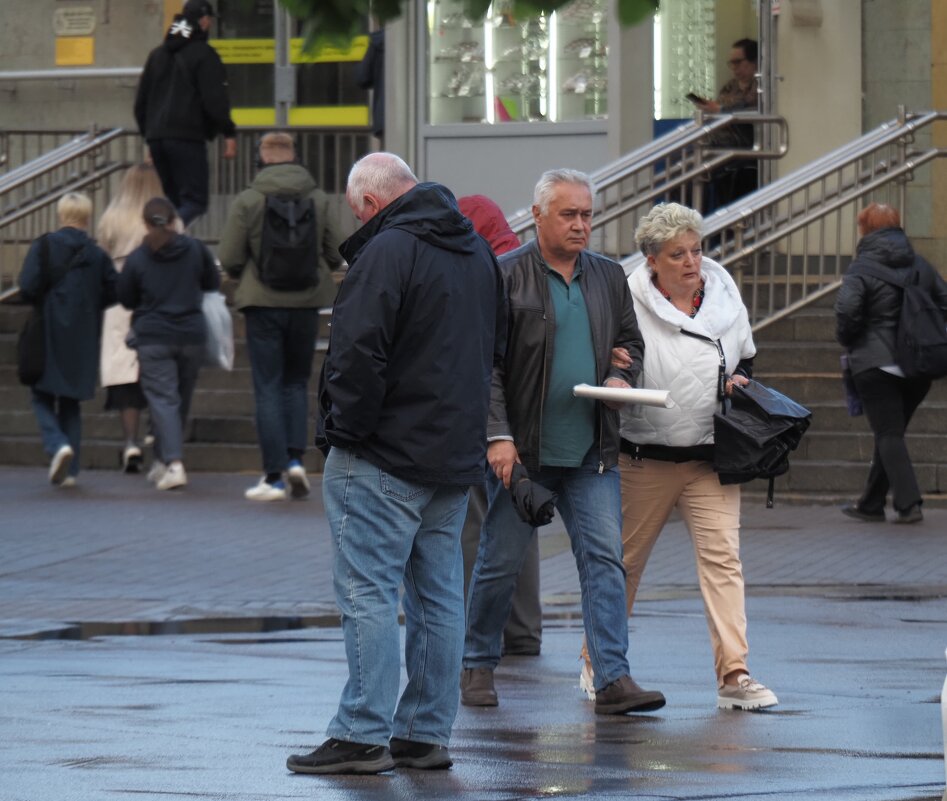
663, 223
277, 147
74, 209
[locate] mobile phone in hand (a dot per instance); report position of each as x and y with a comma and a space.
695, 98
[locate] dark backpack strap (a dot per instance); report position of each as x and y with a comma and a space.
884, 274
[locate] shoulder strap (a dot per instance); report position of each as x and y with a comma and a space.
58, 275
877, 271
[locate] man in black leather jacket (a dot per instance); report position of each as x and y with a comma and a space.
568, 309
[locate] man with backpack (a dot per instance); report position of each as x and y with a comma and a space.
182, 101
281, 241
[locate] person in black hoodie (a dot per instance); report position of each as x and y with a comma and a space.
182, 101
163, 282
867, 311
417, 327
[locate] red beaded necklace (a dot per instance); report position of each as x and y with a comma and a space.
696, 301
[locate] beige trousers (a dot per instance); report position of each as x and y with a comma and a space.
650, 490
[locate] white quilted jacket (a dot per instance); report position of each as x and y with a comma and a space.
685, 366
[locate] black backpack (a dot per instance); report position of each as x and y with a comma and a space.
289, 245
754, 433
921, 343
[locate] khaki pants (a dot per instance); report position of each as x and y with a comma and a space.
650, 490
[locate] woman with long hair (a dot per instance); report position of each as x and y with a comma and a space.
163, 284
121, 229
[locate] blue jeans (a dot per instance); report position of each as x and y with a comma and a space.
386, 531
60, 424
590, 505
281, 344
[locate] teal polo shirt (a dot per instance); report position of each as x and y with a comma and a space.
568, 429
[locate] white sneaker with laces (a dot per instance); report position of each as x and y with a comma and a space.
747, 693
264, 491
173, 478
156, 472
59, 466
587, 681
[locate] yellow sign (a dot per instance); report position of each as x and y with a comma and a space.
318, 116
263, 51
245, 51
75, 51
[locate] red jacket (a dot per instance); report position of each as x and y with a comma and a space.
489, 222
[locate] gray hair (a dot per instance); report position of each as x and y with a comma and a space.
384, 175
663, 223
545, 188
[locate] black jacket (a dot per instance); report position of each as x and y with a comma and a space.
165, 291
182, 93
867, 309
521, 382
416, 329
72, 309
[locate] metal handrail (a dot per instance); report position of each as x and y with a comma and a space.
660, 160
72, 150
70, 73
765, 237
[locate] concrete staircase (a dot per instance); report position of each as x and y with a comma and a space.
799, 357
221, 433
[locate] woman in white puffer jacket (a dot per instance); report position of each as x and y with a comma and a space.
698, 343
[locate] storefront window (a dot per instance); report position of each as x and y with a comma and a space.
506, 68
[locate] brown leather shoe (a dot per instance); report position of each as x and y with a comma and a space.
476, 687
623, 695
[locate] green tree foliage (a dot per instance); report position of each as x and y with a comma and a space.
337, 21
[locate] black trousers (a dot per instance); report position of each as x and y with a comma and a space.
890, 402
182, 167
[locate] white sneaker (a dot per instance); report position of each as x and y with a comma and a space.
747, 693
131, 459
587, 680
68, 481
264, 491
298, 482
173, 478
59, 466
156, 472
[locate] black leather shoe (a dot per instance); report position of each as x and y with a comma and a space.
853, 511
423, 756
341, 756
624, 695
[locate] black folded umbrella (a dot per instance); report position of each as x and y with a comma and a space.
533, 502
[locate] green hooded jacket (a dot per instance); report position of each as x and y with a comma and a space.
240, 240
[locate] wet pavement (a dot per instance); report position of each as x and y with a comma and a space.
847, 624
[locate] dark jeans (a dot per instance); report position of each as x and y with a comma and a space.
281, 343
60, 424
182, 166
168, 375
523, 632
889, 402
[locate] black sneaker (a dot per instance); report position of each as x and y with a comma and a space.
853, 510
341, 756
912, 514
424, 756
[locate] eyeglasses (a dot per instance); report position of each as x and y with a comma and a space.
734, 61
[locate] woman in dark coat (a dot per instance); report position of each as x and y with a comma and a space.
72, 309
867, 310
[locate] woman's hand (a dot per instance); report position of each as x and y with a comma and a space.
739, 380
